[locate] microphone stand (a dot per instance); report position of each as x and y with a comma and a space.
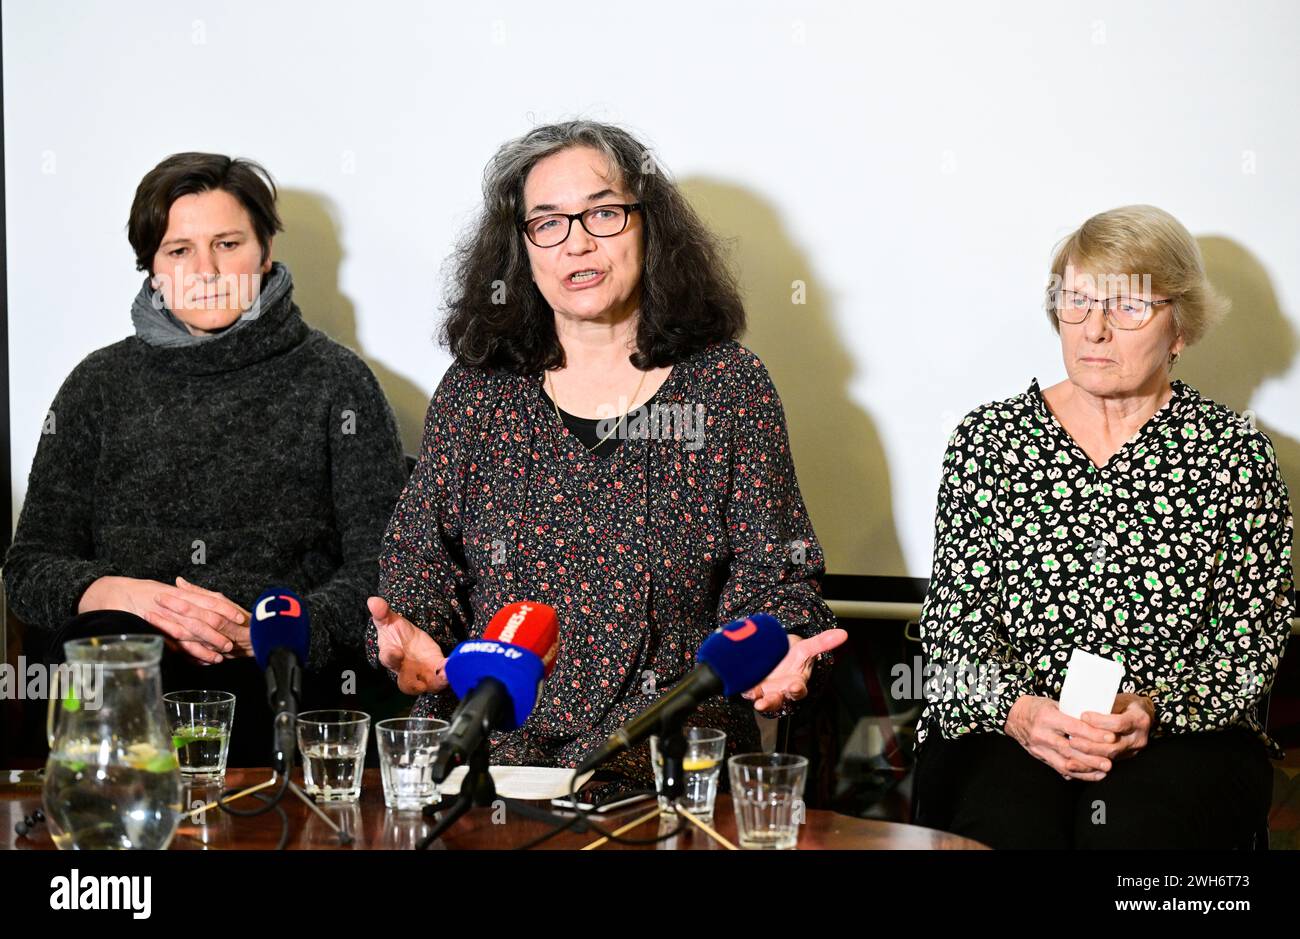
344, 837
224, 800
283, 760
672, 753
672, 750
476, 789
281, 767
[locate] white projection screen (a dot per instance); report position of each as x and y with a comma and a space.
890, 180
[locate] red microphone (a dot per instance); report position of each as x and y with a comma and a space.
531, 625
498, 679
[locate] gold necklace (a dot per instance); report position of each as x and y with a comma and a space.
604, 440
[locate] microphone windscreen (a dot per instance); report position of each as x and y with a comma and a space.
533, 626
517, 649
280, 619
745, 652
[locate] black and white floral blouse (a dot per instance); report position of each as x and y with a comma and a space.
1174, 559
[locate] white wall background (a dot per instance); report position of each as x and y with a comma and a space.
913, 167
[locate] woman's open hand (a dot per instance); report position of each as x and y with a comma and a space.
410, 652
788, 682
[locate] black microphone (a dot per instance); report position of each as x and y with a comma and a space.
281, 634
733, 659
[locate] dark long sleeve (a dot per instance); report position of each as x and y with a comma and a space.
52, 559
367, 470
422, 570
776, 561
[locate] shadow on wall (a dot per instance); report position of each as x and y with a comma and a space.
313, 251
843, 473
1255, 343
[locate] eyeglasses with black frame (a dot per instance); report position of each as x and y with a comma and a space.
599, 221
1073, 307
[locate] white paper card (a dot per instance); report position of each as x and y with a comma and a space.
520, 782
1091, 684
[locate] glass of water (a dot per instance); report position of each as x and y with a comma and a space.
200, 724
767, 795
333, 746
701, 768
407, 747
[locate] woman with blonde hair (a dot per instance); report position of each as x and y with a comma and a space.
1121, 513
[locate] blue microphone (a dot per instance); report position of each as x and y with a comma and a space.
734, 658
280, 620
497, 679
281, 634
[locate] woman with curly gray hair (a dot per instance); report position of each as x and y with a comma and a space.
601, 444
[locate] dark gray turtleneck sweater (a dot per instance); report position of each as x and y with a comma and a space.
267, 456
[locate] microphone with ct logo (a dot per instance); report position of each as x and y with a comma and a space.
281, 634
734, 658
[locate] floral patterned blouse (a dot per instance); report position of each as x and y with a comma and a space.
694, 521
1174, 559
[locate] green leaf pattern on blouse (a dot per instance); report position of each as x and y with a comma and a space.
1174, 558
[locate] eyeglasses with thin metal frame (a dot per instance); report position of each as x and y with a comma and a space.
1074, 307
599, 221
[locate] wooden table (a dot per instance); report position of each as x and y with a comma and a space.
373, 826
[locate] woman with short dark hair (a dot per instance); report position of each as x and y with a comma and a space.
224, 448
601, 444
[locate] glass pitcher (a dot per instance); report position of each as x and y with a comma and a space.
112, 780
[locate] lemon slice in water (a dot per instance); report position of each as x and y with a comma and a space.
694, 764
